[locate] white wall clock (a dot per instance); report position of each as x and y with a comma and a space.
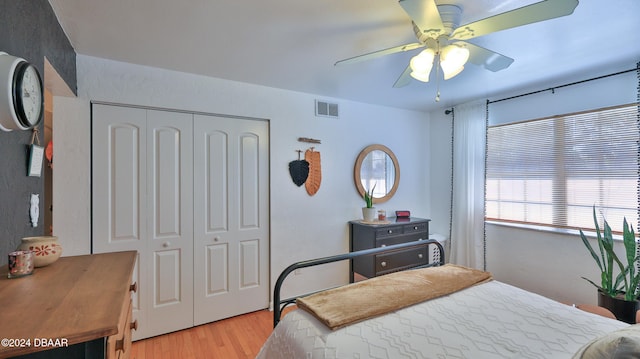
21, 96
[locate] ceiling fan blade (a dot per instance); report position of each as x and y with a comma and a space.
488, 59
371, 55
404, 79
425, 15
540, 11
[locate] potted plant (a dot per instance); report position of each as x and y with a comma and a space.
620, 296
369, 212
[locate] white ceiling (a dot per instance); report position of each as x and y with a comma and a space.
293, 44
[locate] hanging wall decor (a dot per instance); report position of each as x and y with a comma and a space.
36, 154
315, 173
48, 153
299, 170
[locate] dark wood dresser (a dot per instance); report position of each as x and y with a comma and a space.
380, 234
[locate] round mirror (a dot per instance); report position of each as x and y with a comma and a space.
377, 166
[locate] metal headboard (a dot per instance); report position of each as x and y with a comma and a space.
279, 305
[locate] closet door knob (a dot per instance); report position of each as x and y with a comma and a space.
216, 238
166, 244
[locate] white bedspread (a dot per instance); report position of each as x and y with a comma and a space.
491, 320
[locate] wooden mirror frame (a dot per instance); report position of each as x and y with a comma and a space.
358, 166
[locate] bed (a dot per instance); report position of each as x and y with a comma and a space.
487, 319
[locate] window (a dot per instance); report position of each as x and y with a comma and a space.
552, 171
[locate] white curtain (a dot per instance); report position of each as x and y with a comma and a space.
467, 222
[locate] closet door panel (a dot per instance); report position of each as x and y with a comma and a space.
169, 222
249, 171
217, 265
231, 211
215, 150
119, 162
119, 177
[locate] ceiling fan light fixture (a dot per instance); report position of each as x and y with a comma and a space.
421, 65
420, 76
452, 60
449, 73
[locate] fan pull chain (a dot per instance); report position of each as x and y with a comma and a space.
438, 77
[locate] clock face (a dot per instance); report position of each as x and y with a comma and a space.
21, 94
28, 95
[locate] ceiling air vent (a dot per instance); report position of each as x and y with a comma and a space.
326, 109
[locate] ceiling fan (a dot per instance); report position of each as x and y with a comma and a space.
438, 30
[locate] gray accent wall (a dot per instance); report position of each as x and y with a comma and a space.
28, 29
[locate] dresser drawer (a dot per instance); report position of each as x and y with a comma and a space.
389, 231
414, 228
389, 241
391, 262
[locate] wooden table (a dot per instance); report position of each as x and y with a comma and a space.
75, 302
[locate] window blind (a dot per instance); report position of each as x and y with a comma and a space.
552, 171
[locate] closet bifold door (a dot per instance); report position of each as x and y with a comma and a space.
231, 217
142, 199
190, 193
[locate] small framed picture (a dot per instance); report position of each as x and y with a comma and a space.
35, 161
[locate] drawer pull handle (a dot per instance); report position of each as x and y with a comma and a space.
384, 245
133, 287
390, 231
120, 342
120, 345
415, 228
383, 264
420, 255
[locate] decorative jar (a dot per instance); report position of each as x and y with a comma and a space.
46, 249
20, 263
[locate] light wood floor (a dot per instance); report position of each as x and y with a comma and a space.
238, 337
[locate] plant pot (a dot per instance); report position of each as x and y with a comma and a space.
369, 214
46, 249
623, 310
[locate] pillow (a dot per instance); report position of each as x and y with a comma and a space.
621, 344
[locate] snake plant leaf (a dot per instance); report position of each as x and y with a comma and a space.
631, 244
591, 251
627, 278
634, 293
599, 237
594, 284
299, 171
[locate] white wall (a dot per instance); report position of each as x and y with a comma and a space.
302, 227
550, 264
